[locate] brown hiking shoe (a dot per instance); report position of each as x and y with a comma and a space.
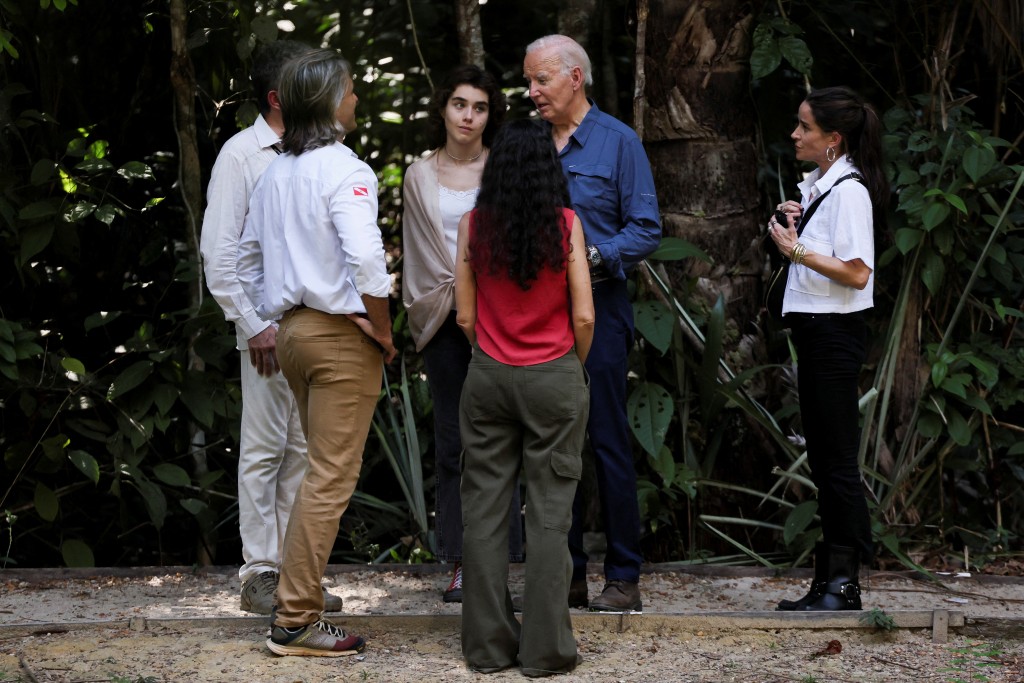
258, 593
618, 596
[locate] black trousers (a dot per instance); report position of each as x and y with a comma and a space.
831, 349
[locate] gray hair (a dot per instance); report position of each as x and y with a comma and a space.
570, 53
312, 88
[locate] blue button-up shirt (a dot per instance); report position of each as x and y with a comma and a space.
612, 191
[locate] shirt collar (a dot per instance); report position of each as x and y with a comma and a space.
265, 135
823, 183
586, 126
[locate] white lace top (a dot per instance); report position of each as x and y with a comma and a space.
454, 205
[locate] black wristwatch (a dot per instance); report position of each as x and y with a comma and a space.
594, 256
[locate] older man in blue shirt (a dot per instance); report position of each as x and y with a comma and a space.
612, 191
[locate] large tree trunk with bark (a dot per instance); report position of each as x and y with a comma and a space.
471, 42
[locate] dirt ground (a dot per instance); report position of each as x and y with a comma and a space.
137, 626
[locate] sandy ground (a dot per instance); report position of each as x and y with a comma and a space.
137, 626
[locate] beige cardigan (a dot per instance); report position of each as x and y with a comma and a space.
428, 272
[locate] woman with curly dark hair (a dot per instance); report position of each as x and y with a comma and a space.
523, 295
466, 112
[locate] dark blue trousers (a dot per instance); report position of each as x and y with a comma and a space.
610, 440
446, 358
831, 349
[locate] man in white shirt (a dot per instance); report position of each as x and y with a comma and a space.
272, 452
311, 253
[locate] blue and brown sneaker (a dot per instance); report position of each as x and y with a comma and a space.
319, 639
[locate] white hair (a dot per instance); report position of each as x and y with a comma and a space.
570, 53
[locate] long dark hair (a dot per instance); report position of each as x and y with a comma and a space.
466, 74
842, 110
517, 229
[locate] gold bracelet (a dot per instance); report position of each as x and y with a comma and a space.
795, 253
801, 253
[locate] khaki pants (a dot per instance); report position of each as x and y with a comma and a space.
533, 418
335, 372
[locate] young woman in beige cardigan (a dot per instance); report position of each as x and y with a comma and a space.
466, 112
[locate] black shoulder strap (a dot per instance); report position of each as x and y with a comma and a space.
814, 205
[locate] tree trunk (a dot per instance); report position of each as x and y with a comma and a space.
471, 42
183, 83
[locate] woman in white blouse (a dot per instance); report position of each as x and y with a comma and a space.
466, 111
830, 285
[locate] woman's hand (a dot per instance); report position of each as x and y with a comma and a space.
785, 235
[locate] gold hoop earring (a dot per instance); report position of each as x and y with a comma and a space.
830, 154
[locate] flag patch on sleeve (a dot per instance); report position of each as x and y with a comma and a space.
360, 191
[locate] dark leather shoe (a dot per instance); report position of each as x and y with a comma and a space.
578, 594
618, 596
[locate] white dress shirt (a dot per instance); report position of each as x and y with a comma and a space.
239, 165
311, 236
843, 227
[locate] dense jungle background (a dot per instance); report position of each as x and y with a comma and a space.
119, 394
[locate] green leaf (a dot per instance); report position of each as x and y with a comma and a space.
929, 425
796, 53
650, 410
978, 161
655, 322
164, 396
72, 365
939, 372
959, 430
956, 202
41, 209
78, 211
172, 475
676, 249
920, 141
43, 171
106, 214
766, 56
199, 403
933, 272
265, 28
134, 170
33, 240
934, 214
46, 503
86, 464
93, 165
664, 465
798, 520
99, 319
77, 553
156, 502
132, 377
193, 505
907, 239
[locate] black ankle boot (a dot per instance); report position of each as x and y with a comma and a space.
841, 590
817, 585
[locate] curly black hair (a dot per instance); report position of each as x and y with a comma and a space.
466, 74
517, 228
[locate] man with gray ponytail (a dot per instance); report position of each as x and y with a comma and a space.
312, 254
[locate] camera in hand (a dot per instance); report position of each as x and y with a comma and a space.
780, 218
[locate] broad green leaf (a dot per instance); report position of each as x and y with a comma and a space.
72, 365
933, 272
130, 378
78, 211
43, 171
934, 214
766, 56
930, 425
655, 322
193, 505
798, 520
979, 404
46, 503
920, 141
199, 403
53, 448
907, 239
978, 161
99, 319
955, 385
34, 239
664, 465
156, 502
93, 165
796, 53
106, 214
939, 372
676, 249
265, 28
650, 410
86, 464
135, 170
77, 553
956, 202
959, 430
164, 396
40, 209
171, 474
